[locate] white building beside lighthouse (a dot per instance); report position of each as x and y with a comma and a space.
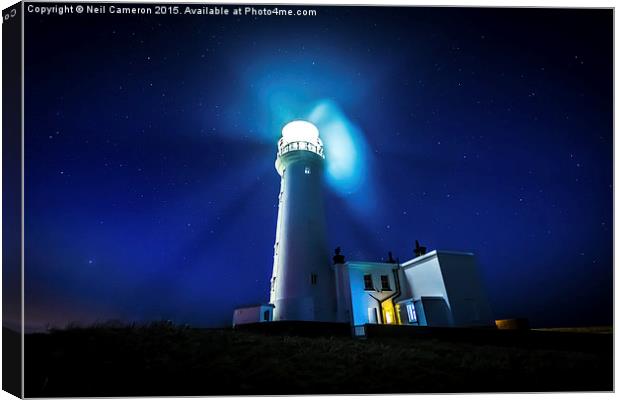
439, 288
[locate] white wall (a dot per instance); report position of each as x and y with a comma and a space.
468, 298
300, 250
357, 303
424, 278
343, 293
249, 315
454, 277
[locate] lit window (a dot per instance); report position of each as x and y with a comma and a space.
307, 171
385, 282
368, 282
411, 313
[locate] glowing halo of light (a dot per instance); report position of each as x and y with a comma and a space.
300, 131
347, 156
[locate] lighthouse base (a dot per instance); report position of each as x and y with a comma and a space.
302, 309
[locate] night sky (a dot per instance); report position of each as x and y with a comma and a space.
151, 191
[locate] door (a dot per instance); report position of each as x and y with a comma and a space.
372, 316
389, 316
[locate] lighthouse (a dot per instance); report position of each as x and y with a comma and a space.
438, 288
302, 282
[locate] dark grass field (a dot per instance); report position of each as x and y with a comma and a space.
162, 359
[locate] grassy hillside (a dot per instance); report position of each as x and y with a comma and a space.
162, 359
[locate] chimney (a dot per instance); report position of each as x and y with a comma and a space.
419, 250
338, 258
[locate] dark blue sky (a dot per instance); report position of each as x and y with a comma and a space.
150, 143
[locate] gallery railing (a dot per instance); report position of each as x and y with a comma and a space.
286, 147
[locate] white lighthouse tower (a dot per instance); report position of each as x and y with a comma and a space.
302, 283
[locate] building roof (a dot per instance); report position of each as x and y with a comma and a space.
254, 306
354, 264
406, 264
432, 254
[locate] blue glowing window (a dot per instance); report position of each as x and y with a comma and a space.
411, 313
307, 171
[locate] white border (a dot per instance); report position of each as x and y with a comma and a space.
496, 3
